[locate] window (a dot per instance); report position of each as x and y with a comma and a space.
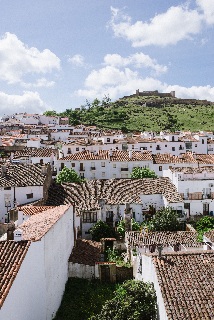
202, 141
173, 148
196, 145
89, 216
29, 195
83, 149
73, 164
165, 145
69, 150
173, 138
160, 168
7, 188
77, 149
103, 164
114, 165
108, 139
103, 174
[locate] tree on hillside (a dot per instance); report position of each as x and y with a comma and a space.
101, 230
139, 173
68, 175
50, 113
165, 219
133, 300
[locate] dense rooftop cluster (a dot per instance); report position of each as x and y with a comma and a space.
86, 196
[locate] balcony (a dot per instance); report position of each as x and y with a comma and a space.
81, 169
124, 169
158, 148
93, 168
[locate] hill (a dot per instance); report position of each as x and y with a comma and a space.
149, 111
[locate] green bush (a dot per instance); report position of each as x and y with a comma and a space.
133, 300
101, 230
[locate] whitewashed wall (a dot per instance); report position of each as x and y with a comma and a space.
26, 298
39, 285
149, 274
21, 197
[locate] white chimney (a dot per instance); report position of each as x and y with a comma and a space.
17, 235
110, 153
130, 154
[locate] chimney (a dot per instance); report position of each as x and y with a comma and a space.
160, 249
110, 153
44, 170
17, 235
130, 154
3, 170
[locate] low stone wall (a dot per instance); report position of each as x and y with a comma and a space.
76, 270
124, 273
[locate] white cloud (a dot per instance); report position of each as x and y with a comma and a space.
117, 83
137, 60
42, 82
176, 24
17, 60
27, 102
194, 92
77, 60
207, 6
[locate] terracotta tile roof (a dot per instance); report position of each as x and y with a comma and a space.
192, 170
86, 195
205, 158
32, 210
11, 256
35, 152
21, 175
210, 235
187, 138
115, 155
38, 225
187, 284
86, 252
167, 238
168, 158
210, 141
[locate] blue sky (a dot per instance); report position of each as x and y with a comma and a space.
55, 54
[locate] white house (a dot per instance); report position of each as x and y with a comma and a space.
21, 184
176, 267
105, 164
111, 200
35, 265
196, 187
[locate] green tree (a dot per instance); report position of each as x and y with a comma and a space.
68, 175
165, 219
203, 225
121, 227
133, 300
101, 230
139, 173
50, 113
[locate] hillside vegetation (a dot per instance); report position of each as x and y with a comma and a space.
144, 113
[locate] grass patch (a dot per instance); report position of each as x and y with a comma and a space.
83, 298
